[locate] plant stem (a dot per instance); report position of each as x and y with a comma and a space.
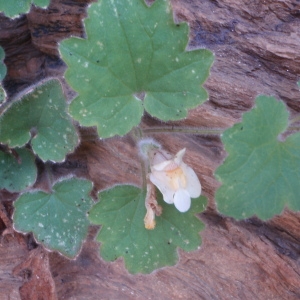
144, 174
49, 176
136, 133
294, 120
292, 128
199, 131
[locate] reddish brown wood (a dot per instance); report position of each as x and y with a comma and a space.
256, 46
38, 281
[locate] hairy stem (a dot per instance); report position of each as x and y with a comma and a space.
199, 131
144, 174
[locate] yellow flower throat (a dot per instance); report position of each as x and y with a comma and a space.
177, 178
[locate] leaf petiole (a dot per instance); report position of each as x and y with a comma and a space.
199, 131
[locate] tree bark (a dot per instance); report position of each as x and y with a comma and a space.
257, 51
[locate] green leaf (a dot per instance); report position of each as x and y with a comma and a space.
2, 94
2, 74
13, 8
58, 220
15, 175
42, 114
121, 211
2, 65
261, 174
132, 50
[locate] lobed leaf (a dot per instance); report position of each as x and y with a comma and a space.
15, 175
13, 8
121, 211
58, 220
261, 174
40, 117
133, 58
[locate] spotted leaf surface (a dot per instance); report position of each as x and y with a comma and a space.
40, 117
17, 172
13, 8
261, 174
133, 58
58, 220
121, 211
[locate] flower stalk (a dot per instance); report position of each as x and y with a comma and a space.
152, 207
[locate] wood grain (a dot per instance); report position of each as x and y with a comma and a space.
256, 46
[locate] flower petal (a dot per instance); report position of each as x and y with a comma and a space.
162, 166
161, 181
193, 185
182, 200
179, 156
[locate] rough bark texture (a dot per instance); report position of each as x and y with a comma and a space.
257, 50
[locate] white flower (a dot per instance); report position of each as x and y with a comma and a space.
176, 181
